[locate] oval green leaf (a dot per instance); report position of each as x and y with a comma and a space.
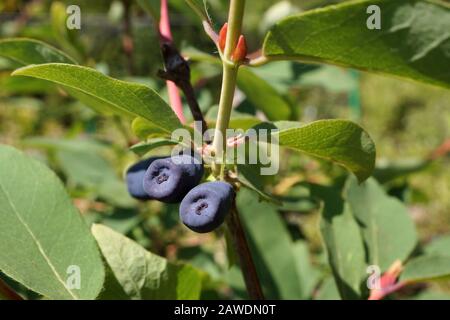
142, 148
342, 240
272, 247
341, 141
386, 226
261, 94
120, 96
413, 42
51, 241
143, 275
28, 51
426, 268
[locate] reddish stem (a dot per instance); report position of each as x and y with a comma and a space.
251, 278
441, 151
7, 292
388, 282
381, 294
166, 38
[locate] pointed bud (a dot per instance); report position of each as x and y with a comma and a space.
223, 36
240, 52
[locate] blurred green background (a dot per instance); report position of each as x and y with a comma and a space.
407, 121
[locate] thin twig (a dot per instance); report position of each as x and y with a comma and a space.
209, 30
165, 37
245, 257
178, 71
440, 151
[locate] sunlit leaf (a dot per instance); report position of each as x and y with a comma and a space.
340, 141
134, 99
343, 242
49, 236
426, 268
413, 41
28, 51
272, 247
144, 275
380, 218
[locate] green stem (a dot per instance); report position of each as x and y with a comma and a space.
235, 17
230, 72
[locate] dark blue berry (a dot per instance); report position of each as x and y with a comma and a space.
205, 207
135, 177
170, 179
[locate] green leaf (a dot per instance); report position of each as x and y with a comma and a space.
28, 51
94, 103
142, 274
328, 290
271, 247
298, 199
120, 220
263, 96
341, 141
143, 147
23, 86
146, 130
308, 275
439, 246
387, 171
284, 125
413, 42
47, 233
426, 268
132, 98
343, 242
432, 295
388, 230
112, 290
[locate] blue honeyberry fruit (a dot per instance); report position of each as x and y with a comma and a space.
205, 207
135, 177
170, 179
